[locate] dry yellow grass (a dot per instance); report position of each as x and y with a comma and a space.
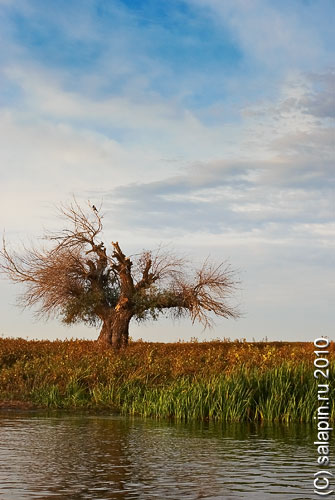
223, 380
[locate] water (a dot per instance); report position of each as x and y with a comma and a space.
70, 456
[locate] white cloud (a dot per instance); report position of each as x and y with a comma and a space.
41, 164
273, 34
169, 126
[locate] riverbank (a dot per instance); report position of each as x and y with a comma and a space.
224, 381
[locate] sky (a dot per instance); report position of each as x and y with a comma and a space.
203, 125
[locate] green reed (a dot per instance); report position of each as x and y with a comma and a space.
284, 394
217, 381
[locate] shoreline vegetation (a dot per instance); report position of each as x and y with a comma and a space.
218, 380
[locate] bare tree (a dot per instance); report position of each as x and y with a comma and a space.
75, 278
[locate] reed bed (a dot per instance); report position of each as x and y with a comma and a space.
218, 380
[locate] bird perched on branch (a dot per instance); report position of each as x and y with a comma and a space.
94, 208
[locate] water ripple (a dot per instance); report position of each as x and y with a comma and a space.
47, 456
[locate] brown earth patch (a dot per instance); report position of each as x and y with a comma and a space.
16, 405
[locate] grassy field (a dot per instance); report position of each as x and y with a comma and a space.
226, 381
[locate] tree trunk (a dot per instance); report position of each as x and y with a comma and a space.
115, 330
106, 333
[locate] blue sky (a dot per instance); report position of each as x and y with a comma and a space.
206, 125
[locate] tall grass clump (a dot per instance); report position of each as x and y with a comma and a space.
224, 381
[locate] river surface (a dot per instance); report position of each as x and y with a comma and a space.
72, 456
